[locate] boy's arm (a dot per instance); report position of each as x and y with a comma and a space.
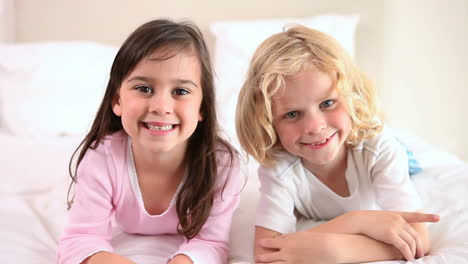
301, 247
360, 248
349, 235
404, 231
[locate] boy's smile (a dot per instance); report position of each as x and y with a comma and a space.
311, 119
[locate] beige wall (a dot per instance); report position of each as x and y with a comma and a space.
413, 50
425, 83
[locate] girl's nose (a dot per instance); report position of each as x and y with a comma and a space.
314, 123
161, 104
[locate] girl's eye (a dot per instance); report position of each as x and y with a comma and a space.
327, 103
292, 114
144, 89
180, 91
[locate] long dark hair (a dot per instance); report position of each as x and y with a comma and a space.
195, 198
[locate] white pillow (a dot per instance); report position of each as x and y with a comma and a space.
52, 89
236, 42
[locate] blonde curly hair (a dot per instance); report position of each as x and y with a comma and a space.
292, 51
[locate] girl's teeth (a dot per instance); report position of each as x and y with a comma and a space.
159, 128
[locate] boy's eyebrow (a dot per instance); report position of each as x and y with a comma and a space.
149, 79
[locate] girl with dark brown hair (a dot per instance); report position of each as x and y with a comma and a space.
153, 160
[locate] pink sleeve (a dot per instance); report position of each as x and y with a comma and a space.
211, 245
89, 225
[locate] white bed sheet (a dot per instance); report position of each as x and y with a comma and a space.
35, 180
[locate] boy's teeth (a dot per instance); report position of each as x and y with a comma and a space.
319, 143
159, 128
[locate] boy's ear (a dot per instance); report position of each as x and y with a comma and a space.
116, 108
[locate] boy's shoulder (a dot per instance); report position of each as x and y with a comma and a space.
284, 166
378, 143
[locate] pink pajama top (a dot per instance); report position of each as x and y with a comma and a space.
107, 189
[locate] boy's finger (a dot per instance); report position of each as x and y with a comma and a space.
269, 257
419, 217
417, 238
274, 243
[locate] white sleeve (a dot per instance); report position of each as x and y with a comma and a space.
393, 187
275, 210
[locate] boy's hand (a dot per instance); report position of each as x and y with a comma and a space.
394, 228
297, 248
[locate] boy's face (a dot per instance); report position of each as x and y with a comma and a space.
311, 119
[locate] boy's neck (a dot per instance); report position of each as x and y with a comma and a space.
334, 168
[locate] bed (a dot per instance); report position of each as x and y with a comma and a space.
47, 104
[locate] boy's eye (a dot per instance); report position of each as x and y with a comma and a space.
144, 89
180, 91
327, 103
291, 115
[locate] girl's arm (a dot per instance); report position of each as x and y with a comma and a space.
211, 244
107, 257
181, 259
89, 227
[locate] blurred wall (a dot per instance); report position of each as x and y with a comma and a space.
414, 51
425, 84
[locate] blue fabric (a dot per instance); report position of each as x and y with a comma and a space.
413, 165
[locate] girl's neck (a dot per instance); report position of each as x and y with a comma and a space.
158, 164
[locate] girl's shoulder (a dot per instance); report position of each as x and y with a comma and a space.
226, 155
111, 146
104, 162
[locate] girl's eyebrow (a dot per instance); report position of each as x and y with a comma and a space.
149, 79
182, 81
140, 78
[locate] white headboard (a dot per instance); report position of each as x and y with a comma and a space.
7, 21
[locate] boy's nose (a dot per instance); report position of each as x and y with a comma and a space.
314, 124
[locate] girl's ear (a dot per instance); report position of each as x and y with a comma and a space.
200, 116
116, 108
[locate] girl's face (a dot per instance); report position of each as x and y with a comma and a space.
311, 120
159, 103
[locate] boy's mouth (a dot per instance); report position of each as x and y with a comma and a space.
322, 142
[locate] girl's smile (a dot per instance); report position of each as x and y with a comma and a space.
159, 103
158, 128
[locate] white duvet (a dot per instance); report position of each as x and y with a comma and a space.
34, 182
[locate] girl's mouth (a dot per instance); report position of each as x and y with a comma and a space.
158, 128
